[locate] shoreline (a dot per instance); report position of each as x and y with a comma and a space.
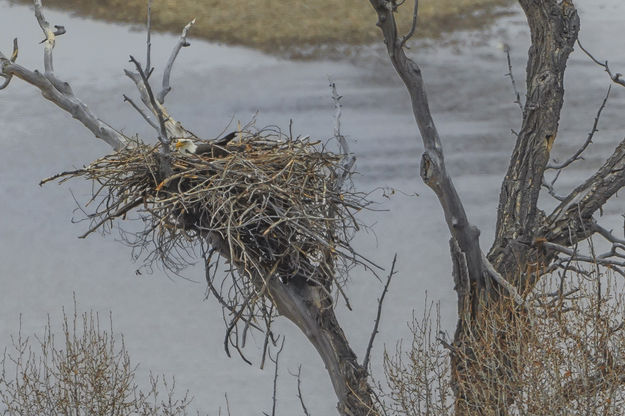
303, 30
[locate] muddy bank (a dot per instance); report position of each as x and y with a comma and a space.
282, 26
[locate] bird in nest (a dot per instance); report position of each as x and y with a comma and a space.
190, 147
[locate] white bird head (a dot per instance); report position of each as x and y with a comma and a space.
185, 146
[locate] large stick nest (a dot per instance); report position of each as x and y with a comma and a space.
277, 202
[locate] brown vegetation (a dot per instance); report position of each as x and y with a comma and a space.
88, 373
275, 25
568, 355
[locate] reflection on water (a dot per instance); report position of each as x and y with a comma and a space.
168, 327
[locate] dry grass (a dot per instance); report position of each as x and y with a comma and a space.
85, 370
565, 355
275, 25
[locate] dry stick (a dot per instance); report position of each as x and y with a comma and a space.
413, 27
13, 58
603, 259
616, 78
517, 95
182, 42
349, 161
592, 132
275, 378
145, 115
365, 362
299, 390
148, 69
159, 112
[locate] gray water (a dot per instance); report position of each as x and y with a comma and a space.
168, 327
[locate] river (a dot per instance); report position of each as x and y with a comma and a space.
168, 328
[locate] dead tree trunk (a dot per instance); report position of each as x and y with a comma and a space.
526, 239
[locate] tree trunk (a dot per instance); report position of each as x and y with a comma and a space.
312, 311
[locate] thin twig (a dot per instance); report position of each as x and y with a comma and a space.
517, 95
592, 132
148, 68
275, 378
605, 259
365, 362
145, 115
299, 390
348, 160
616, 78
163, 138
413, 26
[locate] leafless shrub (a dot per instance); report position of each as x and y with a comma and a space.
569, 353
89, 373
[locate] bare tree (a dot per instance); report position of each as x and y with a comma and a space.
177, 195
529, 243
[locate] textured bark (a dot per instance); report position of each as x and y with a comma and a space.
554, 27
571, 221
515, 255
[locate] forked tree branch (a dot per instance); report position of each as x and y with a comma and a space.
182, 42
554, 26
55, 90
433, 171
571, 221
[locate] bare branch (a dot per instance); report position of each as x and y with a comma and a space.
182, 42
50, 36
365, 362
550, 187
512, 292
413, 26
608, 234
148, 42
611, 259
145, 115
592, 132
517, 95
299, 390
348, 160
173, 128
616, 78
13, 58
433, 171
276, 361
570, 221
163, 138
56, 91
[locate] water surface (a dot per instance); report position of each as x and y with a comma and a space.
167, 325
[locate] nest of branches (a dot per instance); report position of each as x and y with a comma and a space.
275, 202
